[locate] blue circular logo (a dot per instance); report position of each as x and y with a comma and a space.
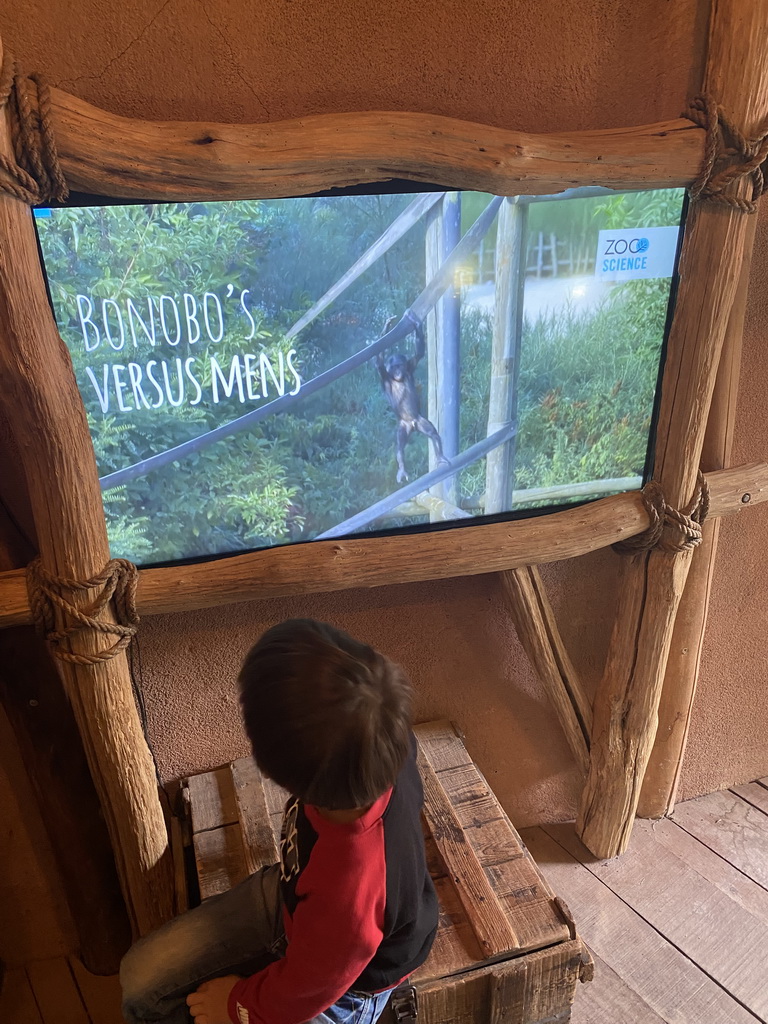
643, 245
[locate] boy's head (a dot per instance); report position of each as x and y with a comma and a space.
327, 716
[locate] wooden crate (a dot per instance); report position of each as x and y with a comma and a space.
506, 948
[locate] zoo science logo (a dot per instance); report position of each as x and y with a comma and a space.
636, 253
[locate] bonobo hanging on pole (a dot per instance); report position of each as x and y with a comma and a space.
399, 384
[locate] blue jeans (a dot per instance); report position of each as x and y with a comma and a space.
232, 933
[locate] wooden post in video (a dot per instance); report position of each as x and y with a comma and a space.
505, 351
443, 333
46, 418
716, 243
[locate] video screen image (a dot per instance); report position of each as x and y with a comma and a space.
266, 372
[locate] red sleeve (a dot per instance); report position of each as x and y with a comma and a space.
334, 933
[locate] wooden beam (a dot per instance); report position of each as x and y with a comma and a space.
538, 633
105, 154
45, 416
663, 772
324, 566
716, 238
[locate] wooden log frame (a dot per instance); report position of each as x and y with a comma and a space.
716, 242
343, 564
102, 153
46, 419
663, 772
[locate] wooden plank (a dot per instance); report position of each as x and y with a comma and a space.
634, 950
212, 799
495, 843
441, 744
535, 989
710, 865
341, 564
731, 827
524, 895
682, 906
456, 948
220, 859
179, 867
754, 793
101, 996
276, 798
56, 993
260, 846
105, 154
486, 915
610, 1000
275, 795
17, 1002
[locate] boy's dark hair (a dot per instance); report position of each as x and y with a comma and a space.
328, 717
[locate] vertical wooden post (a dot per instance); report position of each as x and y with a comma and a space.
626, 705
444, 340
663, 772
46, 418
505, 352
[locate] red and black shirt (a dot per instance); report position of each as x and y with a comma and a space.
359, 906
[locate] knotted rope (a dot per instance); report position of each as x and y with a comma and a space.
686, 523
728, 156
118, 580
34, 174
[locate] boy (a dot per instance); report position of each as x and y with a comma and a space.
350, 910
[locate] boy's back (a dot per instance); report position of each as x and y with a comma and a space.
350, 911
360, 909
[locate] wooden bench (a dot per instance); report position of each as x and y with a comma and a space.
506, 948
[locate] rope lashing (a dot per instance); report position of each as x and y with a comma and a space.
685, 524
47, 593
728, 156
33, 174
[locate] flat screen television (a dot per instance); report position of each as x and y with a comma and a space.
273, 371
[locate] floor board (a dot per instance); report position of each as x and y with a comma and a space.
754, 793
731, 827
56, 993
101, 996
692, 913
710, 865
609, 1000
663, 978
17, 1002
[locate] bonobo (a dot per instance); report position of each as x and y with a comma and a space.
399, 384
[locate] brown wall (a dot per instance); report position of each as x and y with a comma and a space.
545, 65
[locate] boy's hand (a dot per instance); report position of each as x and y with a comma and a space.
208, 1005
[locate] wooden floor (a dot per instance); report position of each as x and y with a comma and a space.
678, 926
59, 992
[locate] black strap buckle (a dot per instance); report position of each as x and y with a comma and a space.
405, 1005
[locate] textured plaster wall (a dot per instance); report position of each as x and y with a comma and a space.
543, 66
